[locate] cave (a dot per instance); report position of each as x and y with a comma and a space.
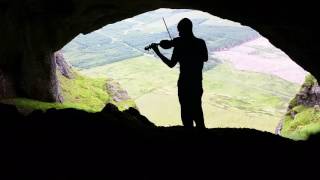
32, 30
41, 28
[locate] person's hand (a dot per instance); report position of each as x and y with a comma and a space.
155, 48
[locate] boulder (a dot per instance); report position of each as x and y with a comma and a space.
62, 65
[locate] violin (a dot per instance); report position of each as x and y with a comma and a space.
165, 44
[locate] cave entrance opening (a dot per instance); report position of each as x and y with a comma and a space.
247, 81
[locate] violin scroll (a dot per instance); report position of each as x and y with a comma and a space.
147, 48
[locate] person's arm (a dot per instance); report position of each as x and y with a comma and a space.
171, 63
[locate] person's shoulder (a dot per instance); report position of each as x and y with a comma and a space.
176, 39
200, 40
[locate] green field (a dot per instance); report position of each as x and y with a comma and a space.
80, 92
232, 98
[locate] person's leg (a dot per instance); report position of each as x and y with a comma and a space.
198, 112
186, 115
199, 119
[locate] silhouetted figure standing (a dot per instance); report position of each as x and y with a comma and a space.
191, 52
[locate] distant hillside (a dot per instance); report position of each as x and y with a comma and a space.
261, 56
127, 39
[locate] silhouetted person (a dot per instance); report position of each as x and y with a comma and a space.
191, 52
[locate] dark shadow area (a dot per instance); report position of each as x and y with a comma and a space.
112, 144
72, 144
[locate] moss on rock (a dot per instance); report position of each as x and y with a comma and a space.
302, 119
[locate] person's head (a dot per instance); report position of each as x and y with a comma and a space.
185, 27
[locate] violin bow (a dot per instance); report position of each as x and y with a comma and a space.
166, 27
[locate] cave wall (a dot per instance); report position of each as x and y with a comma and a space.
32, 30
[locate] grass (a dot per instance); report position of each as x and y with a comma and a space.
81, 92
123, 105
86, 92
306, 120
309, 81
305, 123
31, 104
232, 98
139, 76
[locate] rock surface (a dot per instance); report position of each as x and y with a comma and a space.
116, 92
62, 65
67, 143
32, 30
309, 95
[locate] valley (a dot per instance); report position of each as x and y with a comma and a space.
232, 98
247, 81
